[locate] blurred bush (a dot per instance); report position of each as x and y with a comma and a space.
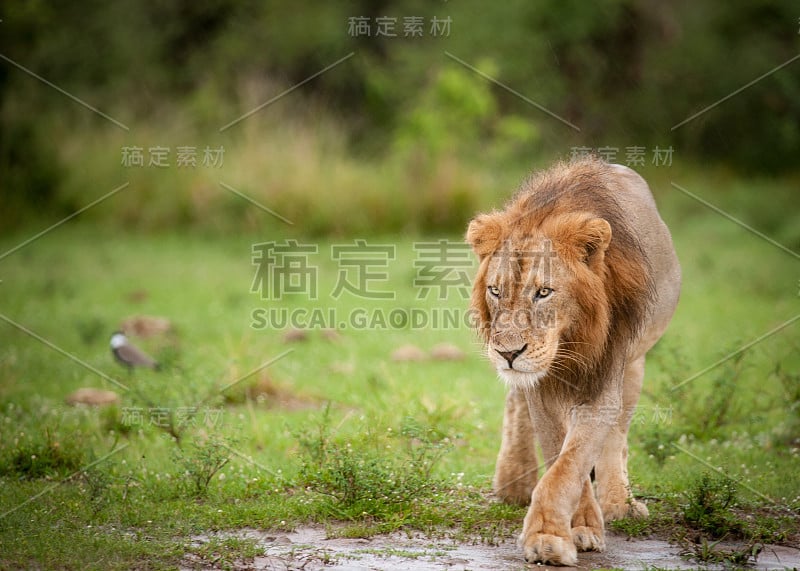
400, 117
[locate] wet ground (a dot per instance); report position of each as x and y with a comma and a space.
309, 549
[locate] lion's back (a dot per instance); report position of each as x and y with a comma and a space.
644, 220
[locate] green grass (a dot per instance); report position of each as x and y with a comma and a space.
379, 445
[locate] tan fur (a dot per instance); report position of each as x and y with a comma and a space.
577, 280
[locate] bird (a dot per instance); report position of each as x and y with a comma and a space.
129, 355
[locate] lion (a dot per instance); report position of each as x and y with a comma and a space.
577, 280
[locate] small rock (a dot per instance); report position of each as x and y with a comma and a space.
275, 395
447, 352
343, 368
138, 295
408, 353
295, 336
92, 397
331, 335
145, 326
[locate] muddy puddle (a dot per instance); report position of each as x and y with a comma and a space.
309, 549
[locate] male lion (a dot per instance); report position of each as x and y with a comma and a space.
577, 280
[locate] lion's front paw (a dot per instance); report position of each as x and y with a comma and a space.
622, 509
549, 549
588, 538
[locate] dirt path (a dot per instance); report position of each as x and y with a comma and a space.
308, 549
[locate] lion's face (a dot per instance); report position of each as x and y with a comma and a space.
527, 295
539, 295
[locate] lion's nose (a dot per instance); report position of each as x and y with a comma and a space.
511, 355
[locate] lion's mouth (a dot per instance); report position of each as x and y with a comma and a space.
515, 366
518, 377
516, 369
511, 356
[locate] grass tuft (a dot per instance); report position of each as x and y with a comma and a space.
379, 479
45, 456
711, 500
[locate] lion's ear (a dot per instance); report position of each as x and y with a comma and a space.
485, 233
584, 236
595, 235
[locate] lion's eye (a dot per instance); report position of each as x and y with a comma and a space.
494, 291
542, 292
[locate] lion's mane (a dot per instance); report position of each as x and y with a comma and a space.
615, 290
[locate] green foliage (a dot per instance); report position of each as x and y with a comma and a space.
701, 411
203, 459
91, 329
225, 552
788, 433
97, 482
46, 454
710, 552
632, 526
448, 116
376, 478
174, 73
32, 171
705, 411
111, 421
774, 527
710, 501
458, 115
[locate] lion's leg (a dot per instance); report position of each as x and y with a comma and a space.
517, 466
563, 495
587, 522
613, 488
